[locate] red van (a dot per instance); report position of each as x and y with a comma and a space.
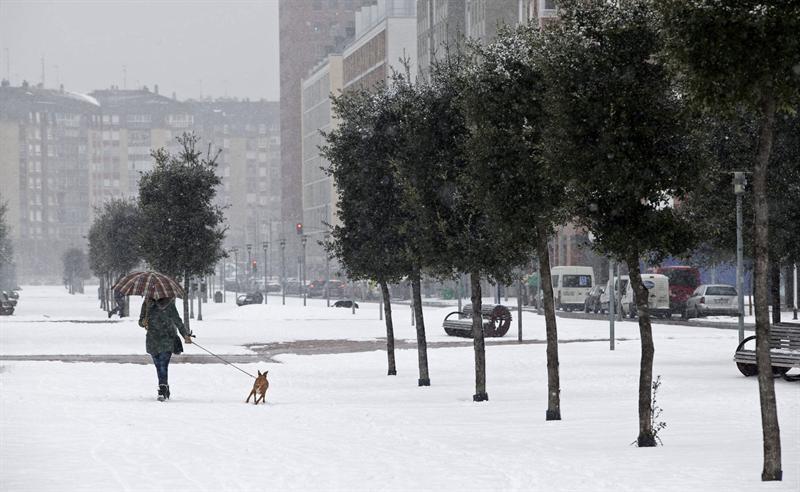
683, 280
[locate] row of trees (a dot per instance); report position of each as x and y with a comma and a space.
602, 119
174, 225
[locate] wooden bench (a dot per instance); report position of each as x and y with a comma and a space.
784, 350
496, 321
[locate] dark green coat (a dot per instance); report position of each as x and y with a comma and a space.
163, 324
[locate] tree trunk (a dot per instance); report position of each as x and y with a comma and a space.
478, 343
186, 301
766, 385
641, 295
553, 378
775, 290
387, 311
422, 345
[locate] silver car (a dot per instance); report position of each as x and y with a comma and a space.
712, 300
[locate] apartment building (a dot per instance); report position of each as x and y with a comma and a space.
248, 133
46, 157
308, 31
440, 27
133, 122
62, 155
385, 40
319, 192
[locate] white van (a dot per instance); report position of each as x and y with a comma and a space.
620, 289
658, 301
570, 286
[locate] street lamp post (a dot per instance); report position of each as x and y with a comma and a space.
202, 283
304, 240
795, 291
283, 270
611, 303
249, 268
236, 273
739, 183
328, 276
265, 244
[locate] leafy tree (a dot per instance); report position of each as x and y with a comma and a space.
617, 130
744, 54
710, 208
113, 247
511, 182
76, 269
6, 249
181, 230
369, 243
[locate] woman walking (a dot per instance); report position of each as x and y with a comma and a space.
161, 320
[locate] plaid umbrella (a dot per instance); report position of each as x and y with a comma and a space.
148, 284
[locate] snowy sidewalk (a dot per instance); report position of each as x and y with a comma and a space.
337, 422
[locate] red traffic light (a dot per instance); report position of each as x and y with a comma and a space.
254, 266
299, 228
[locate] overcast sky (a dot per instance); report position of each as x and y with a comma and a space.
192, 47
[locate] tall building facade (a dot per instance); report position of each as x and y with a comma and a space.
45, 160
132, 123
484, 17
62, 155
248, 133
385, 40
440, 26
319, 192
539, 11
308, 31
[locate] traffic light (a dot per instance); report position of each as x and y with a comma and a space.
254, 266
299, 228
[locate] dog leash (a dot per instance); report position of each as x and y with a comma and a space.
223, 360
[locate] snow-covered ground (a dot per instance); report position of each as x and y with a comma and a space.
338, 422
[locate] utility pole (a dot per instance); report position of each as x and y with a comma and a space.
265, 244
236, 273
327, 276
249, 268
519, 308
739, 183
304, 240
611, 303
795, 292
200, 297
283, 270
458, 291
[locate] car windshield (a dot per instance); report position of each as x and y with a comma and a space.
577, 281
720, 290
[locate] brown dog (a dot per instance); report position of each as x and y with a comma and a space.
259, 388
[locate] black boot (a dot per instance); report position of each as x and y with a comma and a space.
163, 392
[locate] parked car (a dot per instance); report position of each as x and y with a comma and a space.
293, 287
316, 288
712, 300
592, 302
336, 288
344, 304
250, 298
10, 296
7, 304
620, 288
